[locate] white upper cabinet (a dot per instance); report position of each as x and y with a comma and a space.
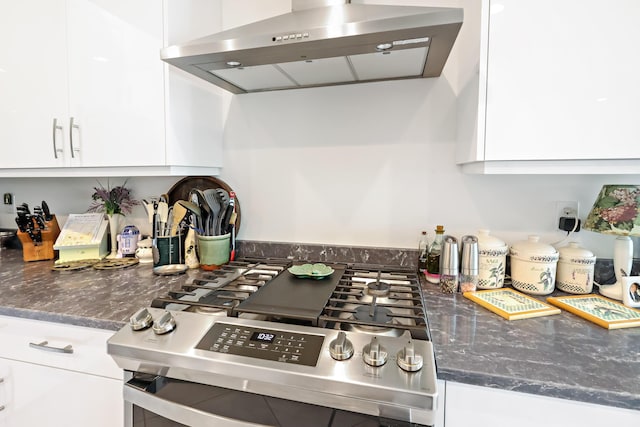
116, 95
549, 87
33, 84
94, 66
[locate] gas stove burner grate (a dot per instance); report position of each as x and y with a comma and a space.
379, 315
379, 300
222, 290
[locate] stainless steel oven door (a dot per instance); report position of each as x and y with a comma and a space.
155, 401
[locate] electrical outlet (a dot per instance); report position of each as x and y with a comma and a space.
566, 209
9, 202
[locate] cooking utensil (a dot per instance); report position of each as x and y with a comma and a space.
232, 221
224, 226
182, 190
223, 199
197, 197
179, 213
163, 214
211, 197
193, 213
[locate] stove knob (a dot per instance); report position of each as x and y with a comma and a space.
165, 324
141, 320
408, 360
374, 353
341, 348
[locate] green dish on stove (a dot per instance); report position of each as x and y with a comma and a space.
313, 271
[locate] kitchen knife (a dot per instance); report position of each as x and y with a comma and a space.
38, 215
46, 211
21, 223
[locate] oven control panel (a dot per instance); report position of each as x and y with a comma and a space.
267, 344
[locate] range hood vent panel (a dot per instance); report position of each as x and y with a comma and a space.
339, 32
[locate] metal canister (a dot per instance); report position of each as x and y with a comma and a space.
449, 265
469, 264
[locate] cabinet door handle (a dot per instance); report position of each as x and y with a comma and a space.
43, 346
72, 126
56, 127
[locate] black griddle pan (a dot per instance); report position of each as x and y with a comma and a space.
288, 296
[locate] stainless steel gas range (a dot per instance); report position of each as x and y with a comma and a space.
252, 344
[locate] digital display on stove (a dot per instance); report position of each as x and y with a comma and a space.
276, 345
262, 336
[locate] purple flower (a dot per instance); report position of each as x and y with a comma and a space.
116, 200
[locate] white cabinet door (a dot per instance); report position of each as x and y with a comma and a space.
33, 83
40, 386
563, 80
116, 86
468, 405
35, 395
549, 87
94, 66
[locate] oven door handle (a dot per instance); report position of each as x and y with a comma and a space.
178, 412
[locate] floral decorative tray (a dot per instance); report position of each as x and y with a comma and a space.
599, 310
511, 304
313, 271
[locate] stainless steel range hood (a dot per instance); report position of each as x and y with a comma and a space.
322, 43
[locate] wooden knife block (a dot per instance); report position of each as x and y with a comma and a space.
42, 250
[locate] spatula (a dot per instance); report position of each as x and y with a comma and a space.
179, 212
223, 199
197, 197
193, 212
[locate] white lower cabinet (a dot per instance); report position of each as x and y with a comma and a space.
40, 384
468, 405
441, 404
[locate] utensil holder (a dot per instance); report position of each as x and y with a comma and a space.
39, 251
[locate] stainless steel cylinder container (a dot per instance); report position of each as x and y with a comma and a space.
449, 259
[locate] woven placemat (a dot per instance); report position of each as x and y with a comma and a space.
74, 265
115, 263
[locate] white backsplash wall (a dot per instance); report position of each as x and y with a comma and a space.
373, 165
363, 165
73, 195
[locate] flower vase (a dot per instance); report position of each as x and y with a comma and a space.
114, 222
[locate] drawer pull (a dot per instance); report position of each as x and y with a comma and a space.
43, 346
1, 407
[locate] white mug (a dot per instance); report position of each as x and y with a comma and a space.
631, 291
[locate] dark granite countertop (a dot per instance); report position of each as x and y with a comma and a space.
102, 299
559, 356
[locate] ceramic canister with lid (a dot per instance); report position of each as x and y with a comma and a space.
492, 260
576, 267
533, 266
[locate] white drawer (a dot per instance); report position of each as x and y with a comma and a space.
89, 346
